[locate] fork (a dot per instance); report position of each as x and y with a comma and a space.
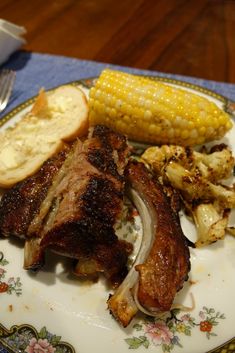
7, 78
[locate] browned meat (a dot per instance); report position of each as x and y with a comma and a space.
162, 263
50, 203
78, 208
167, 265
90, 201
21, 203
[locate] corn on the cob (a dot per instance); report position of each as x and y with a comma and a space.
153, 112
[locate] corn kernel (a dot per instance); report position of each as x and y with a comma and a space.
184, 134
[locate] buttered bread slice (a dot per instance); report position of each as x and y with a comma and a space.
57, 117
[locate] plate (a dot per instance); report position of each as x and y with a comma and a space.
52, 312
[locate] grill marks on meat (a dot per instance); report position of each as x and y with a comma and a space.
77, 211
167, 265
91, 197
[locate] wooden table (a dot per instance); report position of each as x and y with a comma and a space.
189, 37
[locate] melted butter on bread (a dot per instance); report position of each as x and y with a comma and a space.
56, 117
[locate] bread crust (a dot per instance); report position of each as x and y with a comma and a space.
56, 118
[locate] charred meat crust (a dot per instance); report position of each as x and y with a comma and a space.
168, 262
21, 203
113, 161
101, 200
83, 240
92, 224
96, 199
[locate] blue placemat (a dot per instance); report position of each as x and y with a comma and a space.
34, 71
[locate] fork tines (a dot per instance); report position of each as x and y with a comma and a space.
7, 78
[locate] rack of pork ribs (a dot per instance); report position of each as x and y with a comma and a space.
70, 206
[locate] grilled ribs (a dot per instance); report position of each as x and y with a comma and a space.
78, 211
162, 264
91, 197
167, 265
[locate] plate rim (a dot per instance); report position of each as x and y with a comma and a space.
83, 81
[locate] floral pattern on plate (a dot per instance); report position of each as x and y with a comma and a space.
8, 285
165, 331
26, 338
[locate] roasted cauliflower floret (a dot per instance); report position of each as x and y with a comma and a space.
210, 223
198, 176
194, 187
215, 165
